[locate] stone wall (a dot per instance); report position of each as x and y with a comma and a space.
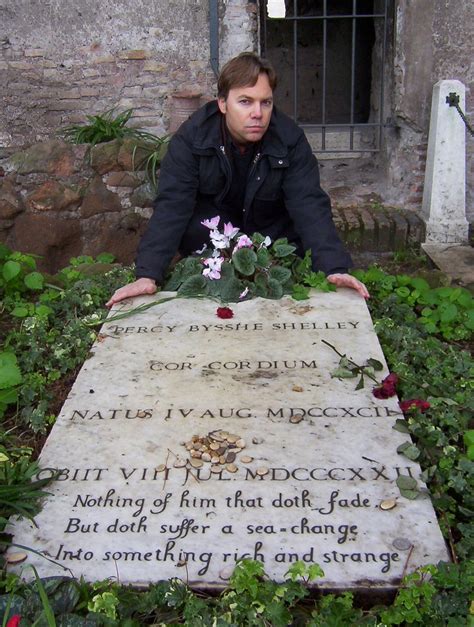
58, 200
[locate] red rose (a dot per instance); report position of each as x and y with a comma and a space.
387, 388
414, 403
14, 621
225, 312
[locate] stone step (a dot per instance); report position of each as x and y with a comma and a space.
377, 228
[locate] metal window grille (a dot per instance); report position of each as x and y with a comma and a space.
318, 19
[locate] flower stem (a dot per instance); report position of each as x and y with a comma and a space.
362, 369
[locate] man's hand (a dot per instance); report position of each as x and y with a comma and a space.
347, 280
137, 288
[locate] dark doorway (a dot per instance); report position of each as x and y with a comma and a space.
329, 58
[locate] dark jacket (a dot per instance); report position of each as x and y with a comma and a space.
283, 196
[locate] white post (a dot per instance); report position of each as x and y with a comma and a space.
444, 195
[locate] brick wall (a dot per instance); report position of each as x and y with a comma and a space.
60, 61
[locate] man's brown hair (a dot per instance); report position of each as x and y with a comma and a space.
243, 71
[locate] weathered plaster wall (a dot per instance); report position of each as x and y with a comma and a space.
238, 28
432, 41
62, 59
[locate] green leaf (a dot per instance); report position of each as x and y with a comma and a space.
420, 284
66, 597
283, 250
43, 311
300, 292
409, 450
22, 311
405, 482
244, 261
10, 270
280, 274
275, 289
193, 286
10, 374
468, 437
319, 281
175, 279
375, 364
296, 571
263, 258
410, 494
257, 239
9, 395
341, 372
227, 270
401, 426
231, 289
408, 487
261, 290
34, 281
190, 267
4, 252
315, 571
448, 312
48, 612
360, 384
403, 292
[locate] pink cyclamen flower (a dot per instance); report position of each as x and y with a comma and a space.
244, 293
219, 240
243, 242
230, 231
414, 403
213, 271
212, 223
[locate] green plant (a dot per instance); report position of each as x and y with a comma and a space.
50, 338
239, 267
445, 311
103, 127
252, 599
148, 154
20, 491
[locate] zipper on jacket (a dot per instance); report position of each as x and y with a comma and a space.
228, 172
254, 163
255, 160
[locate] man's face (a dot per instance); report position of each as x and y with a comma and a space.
248, 110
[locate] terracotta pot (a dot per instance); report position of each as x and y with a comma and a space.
183, 105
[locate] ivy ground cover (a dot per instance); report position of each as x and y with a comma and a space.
425, 333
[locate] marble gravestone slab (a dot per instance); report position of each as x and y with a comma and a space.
317, 461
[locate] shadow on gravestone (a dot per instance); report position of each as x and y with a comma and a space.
190, 439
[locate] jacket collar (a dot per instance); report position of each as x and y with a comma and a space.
209, 132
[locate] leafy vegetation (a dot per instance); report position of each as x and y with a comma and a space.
151, 151
239, 268
45, 339
105, 127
